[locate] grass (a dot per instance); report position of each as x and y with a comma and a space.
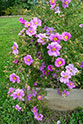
9, 29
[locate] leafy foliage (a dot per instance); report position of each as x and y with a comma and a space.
4, 4
10, 7
68, 20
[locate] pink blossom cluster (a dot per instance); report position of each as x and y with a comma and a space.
42, 66
15, 48
63, 93
15, 61
53, 49
34, 94
18, 94
81, 25
65, 76
50, 67
14, 78
21, 20
59, 62
28, 60
29, 97
43, 70
11, 90
65, 4
81, 65
17, 107
54, 38
30, 27
37, 116
53, 4
49, 30
50, 40
22, 31
58, 37
43, 39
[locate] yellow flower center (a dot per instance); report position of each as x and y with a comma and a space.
34, 110
29, 24
51, 67
64, 94
53, 49
46, 73
65, 76
55, 39
11, 91
66, 2
18, 94
43, 38
14, 48
71, 84
66, 37
15, 108
39, 97
14, 78
31, 31
36, 23
52, 1
27, 60
70, 70
60, 62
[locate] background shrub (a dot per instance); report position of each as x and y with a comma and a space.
4, 4
10, 7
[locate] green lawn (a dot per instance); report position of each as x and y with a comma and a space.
9, 29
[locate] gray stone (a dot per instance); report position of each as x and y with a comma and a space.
57, 102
